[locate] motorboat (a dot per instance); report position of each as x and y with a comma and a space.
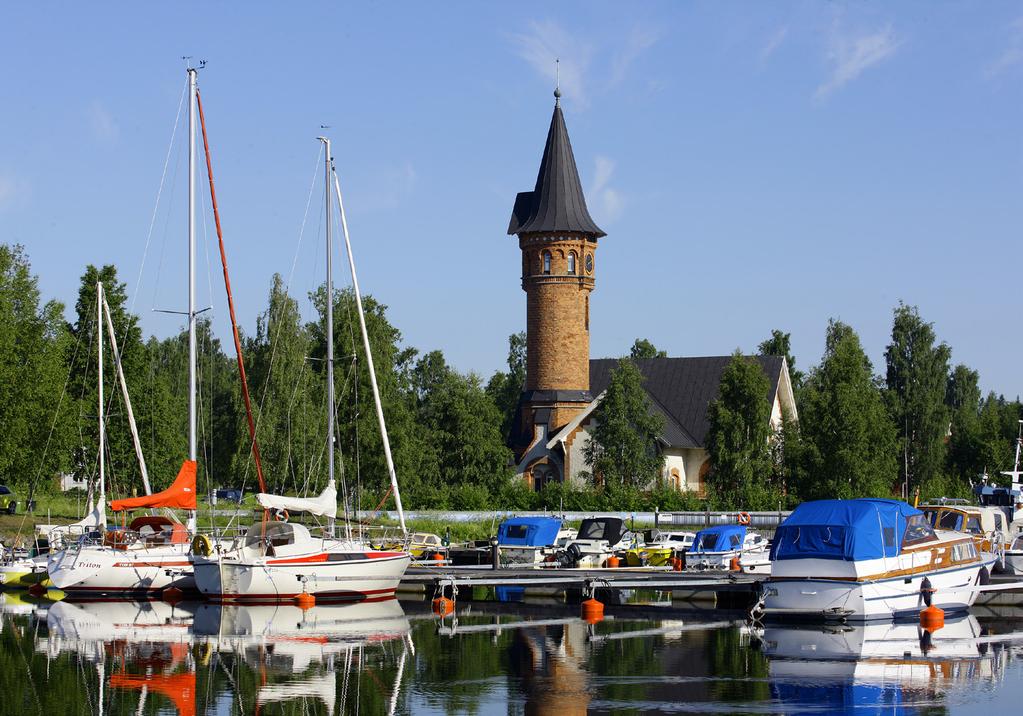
986, 524
659, 548
868, 559
729, 548
597, 539
21, 569
527, 540
1009, 500
1013, 557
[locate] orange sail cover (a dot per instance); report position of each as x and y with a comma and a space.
179, 496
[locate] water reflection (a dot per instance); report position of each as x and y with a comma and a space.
387, 657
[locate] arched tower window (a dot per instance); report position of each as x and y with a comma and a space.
546, 261
571, 263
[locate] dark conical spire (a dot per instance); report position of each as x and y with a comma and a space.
557, 202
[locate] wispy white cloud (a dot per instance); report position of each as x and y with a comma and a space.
101, 121
852, 54
639, 40
773, 43
13, 190
546, 42
385, 189
1013, 54
606, 202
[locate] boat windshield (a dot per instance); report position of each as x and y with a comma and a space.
918, 529
949, 521
706, 543
276, 534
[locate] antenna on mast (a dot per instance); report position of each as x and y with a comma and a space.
557, 81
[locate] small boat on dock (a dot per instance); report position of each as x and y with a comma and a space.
729, 548
598, 539
658, 548
869, 559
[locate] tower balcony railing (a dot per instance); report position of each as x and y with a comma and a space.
558, 278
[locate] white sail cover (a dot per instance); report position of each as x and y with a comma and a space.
323, 506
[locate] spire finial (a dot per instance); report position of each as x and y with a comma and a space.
557, 81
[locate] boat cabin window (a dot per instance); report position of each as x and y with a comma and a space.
949, 521
735, 541
917, 530
973, 526
1000, 522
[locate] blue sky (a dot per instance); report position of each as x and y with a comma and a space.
755, 165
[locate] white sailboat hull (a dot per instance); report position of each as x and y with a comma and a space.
325, 575
104, 571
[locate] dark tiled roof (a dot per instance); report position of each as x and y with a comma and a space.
681, 389
557, 202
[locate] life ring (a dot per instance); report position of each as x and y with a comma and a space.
744, 518
202, 546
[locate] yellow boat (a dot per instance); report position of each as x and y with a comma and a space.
658, 548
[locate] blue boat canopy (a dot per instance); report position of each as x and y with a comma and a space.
848, 529
528, 531
723, 538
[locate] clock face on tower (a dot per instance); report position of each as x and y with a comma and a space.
589, 263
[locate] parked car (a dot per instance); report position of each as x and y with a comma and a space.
8, 500
228, 494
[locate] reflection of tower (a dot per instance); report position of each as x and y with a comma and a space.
551, 662
558, 240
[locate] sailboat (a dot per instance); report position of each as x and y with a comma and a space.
278, 560
152, 553
149, 554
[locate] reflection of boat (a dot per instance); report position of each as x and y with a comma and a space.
868, 559
70, 624
715, 547
291, 641
874, 665
178, 688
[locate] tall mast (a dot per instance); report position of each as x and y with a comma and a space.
191, 264
369, 360
99, 376
330, 315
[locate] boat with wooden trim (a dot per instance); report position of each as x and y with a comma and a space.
869, 559
986, 525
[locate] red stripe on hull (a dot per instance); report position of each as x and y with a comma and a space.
370, 595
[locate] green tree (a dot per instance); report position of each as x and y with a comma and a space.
463, 425
505, 389
917, 375
962, 396
779, 344
739, 437
623, 450
848, 440
642, 348
34, 439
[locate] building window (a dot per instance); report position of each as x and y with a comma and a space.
571, 263
546, 261
589, 263
676, 480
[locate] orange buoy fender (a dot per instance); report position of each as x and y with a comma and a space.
735, 565
442, 606
305, 600
932, 618
613, 562
592, 611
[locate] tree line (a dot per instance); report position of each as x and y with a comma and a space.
922, 424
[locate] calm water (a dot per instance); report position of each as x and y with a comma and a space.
154, 658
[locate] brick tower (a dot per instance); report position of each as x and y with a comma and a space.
558, 240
